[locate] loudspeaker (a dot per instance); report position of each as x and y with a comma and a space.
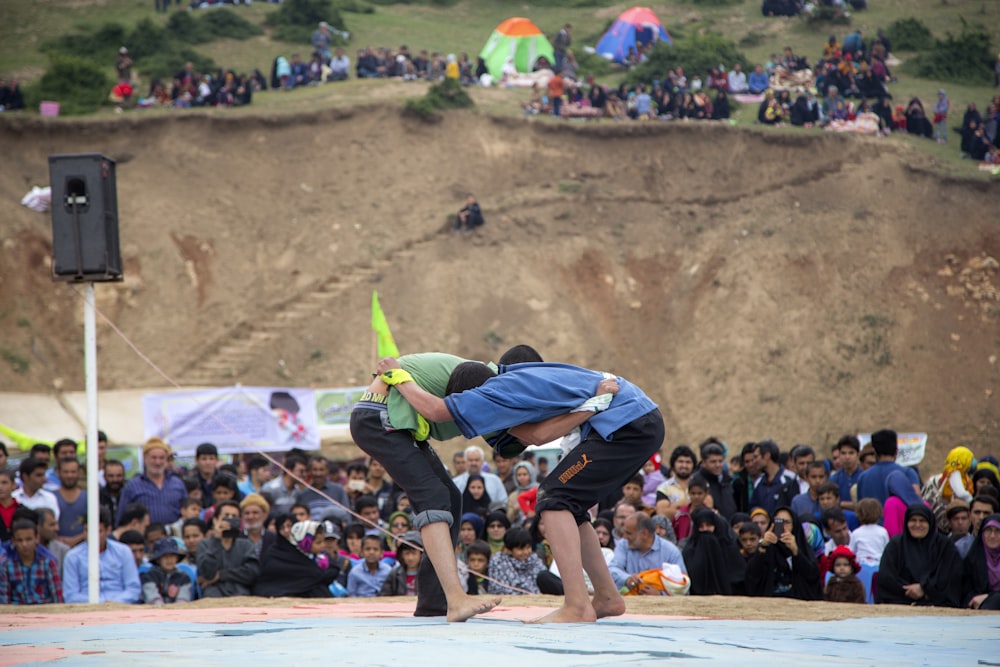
85, 245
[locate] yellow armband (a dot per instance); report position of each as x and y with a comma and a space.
396, 376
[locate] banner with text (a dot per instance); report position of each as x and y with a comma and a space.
911, 447
235, 419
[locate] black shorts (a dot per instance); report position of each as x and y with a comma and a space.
597, 467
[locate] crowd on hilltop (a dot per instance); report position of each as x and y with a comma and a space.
855, 527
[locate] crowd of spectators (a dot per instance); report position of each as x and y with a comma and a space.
855, 527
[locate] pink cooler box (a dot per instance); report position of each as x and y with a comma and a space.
49, 108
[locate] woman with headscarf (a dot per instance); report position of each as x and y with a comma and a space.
920, 566
981, 569
470, 529
475, 498
900, 495
955, 481
984, 477
784, 565
524, 479
497, 525
712, 556
297, 567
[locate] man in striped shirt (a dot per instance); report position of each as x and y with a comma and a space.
158, 488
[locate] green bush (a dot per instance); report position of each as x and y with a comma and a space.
353, 7
449, 94
696, 53
164, 65
909, 35
222, 23
305, 14
78, 84
100, 46
824, 15
967, 59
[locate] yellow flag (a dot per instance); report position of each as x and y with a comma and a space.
386, 346
23, 441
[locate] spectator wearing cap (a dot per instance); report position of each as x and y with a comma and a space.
157, 487
960, 523
254, 510
872, 483
297, 566
119, 576
164, 583
227, 563
331, 547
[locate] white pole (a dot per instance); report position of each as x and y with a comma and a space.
93, 481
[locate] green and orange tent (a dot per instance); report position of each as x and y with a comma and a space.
516, 38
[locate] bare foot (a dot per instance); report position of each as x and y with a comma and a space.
609, 606
469, 607
567, 615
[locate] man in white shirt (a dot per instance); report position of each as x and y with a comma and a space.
340, 66
474, 465
737, 80
32, 494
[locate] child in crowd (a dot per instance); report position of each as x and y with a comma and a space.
632, 492
749, 539
697, 495
869, 540
365, 579
223, 488
477, 557
829, 497
154, 533
353, 536
651, 478
164, 583
134, 541
190, 509
844, 585
516, 568
402, 580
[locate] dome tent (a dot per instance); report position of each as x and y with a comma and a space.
634, 28
516, 38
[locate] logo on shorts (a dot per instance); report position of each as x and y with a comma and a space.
572, 471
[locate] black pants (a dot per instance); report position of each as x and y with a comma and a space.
417, 469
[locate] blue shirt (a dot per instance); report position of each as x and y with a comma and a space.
362, 583
533, 392
804, 504
846, 481
119, 574
758, 82
627, 561
164, 504
871, 483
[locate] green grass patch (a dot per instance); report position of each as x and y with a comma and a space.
449, 94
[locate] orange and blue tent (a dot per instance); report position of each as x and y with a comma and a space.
516, 38
635, 28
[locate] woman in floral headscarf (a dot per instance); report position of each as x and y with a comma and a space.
297, 567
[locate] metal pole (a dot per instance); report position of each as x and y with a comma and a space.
93, 481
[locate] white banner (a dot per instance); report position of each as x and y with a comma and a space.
234, 419
911, 447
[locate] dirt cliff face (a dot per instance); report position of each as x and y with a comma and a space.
797, 286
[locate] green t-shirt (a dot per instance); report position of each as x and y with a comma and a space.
430, 370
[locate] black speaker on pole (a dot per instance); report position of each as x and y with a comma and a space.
85, 245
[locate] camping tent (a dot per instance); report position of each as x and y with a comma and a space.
516, 38
635, 27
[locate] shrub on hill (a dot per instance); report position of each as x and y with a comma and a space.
967, 59
824, 15
909, 35
354, 7
209, 26
696, 53
449, 94
296, 20
78, 84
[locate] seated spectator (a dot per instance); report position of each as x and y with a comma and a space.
136, 544
641, 549
784, 565
916, 119
7, 502
340, 66
298, 567
758, 82
402, 579
836, 528
11, 97
29, 573
497, 525
959, 524
781, 7
516, 568
712, 555
750, 536
298, 73
254, 510
981, 568
737, 80
844, 585
720, 106
869, 540
477, 561
366, 578
920, 566
119, 576
227, 563
190, 509
469, 217
164, 583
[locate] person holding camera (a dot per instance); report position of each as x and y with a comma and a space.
784, 565
227, 562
